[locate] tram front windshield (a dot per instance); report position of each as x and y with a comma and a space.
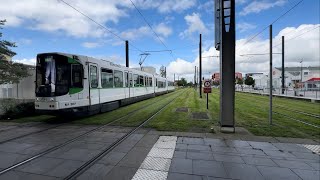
52, 75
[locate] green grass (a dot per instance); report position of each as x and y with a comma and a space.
170, 120
251, 112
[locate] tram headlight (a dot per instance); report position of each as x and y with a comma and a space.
51, 99
37, 99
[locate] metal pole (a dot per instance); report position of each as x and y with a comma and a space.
207, 101
301, 73
227, 65
165, 72
283, 78
195, 77
200, 68
127, 53
270, 78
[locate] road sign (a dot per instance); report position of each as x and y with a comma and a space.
207, 86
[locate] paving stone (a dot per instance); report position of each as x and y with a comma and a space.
259, 138
199, 147
180, 154
277, 173
291, 147
89, 145
200, 155
306, 155
259, 161
148, 140
198, 141
150, 174
292, 164
179, 165
97, 171
14, 147
40, 165
121, 173
242, 171
227, 158
223, 149
215, 142
295, 140
307, 174
16, 175
157, 164
238, 144
278, 154
79, 154
178, 176
113, 158
9, 159
263, 146
162, 153
64, 169
135, 157
316, 165
181, 146
33, 150
250, 151
208, 168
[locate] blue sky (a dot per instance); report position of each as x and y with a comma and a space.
51, 26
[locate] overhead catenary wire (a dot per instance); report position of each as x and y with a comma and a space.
154, 32
100, 25
281, 16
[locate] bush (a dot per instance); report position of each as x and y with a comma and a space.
13, 109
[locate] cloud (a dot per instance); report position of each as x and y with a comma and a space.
90, 44
166, 6
163, 30
195, 24
258, 6
243, 27
31, 61
55, 16
294, 53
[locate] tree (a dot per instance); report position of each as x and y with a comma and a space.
239, 81
249, 81
182, 82
10, 72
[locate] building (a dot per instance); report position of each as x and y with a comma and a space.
25, 89
302, 77
216, 76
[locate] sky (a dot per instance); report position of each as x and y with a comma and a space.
52, 26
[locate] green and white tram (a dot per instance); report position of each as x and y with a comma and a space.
81, 85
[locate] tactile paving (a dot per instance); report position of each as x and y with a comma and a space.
145, 174
165, 144
159, 164
162, 153
313, 148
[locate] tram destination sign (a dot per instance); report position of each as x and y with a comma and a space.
207, 86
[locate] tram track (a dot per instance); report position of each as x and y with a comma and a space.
96, 158
12, 167
54, 127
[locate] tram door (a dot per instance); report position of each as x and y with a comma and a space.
126, 84
94, 93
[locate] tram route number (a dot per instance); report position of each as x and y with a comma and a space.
207, 86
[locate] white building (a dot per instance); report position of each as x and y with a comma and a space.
305, 77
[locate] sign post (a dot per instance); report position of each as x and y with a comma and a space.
207, 89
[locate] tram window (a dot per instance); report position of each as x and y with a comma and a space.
118, 78
76, 76
93, 77
107, 78
141, 81
136, 80
130, 80
126, 79
150, 81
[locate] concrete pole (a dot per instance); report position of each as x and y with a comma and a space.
270, 78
